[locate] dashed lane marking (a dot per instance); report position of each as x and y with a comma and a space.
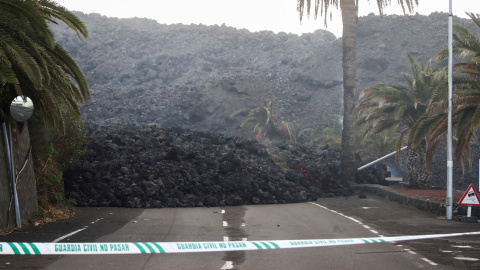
410, 251
462, 246
227, 265
429, 261
467, 259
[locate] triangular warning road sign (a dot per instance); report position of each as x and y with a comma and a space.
470, 198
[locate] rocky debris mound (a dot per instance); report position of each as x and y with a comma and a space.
147, 166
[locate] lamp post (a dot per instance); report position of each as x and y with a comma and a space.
449, 200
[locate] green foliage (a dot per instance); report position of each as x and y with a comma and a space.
262, 120
326, 6
368, 148
398, 106
329, 133
401, 108
53, 152
466, 99
377, 145
71, 203
33, 64
48, 178
71, 143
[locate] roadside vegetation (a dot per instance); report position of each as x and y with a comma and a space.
398, 107
265, 124
33, 64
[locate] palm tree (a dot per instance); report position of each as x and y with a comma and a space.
349, 10
400, 106
262, 120
466, 99
330, 132
377, 145
33, 64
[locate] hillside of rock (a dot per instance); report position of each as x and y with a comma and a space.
194, 76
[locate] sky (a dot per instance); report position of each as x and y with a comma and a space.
254, 15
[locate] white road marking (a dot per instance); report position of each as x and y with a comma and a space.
227, 265
244, 239
369, 207
447, 251
243, 225
429, 261
357, 221
225, 238
462, 246
225, 224
67, 235
376, 232
409, 251
223, 211
467, 259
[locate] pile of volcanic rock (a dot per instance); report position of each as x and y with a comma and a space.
147, 166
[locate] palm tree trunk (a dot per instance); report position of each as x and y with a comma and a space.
349, 63
417, 173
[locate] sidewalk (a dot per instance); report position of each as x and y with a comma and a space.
428, 194
429, 200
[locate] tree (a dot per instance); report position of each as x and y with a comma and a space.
263, 120
378, 145
349, 10
399, 106
33, 64
330, 132
466, 98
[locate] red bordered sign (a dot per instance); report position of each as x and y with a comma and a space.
470, 198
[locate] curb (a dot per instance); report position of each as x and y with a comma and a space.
435, 208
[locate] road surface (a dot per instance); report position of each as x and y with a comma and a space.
328, 218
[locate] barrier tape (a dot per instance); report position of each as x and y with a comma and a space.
25, 248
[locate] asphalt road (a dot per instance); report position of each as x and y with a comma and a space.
376, 217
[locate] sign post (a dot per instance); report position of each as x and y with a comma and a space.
470, 198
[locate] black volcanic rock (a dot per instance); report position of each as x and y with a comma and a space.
194, 168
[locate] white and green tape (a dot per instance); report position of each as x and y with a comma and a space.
25, 248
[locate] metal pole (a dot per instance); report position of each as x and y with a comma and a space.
449, 198
380, 159
10, 169
14, 183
